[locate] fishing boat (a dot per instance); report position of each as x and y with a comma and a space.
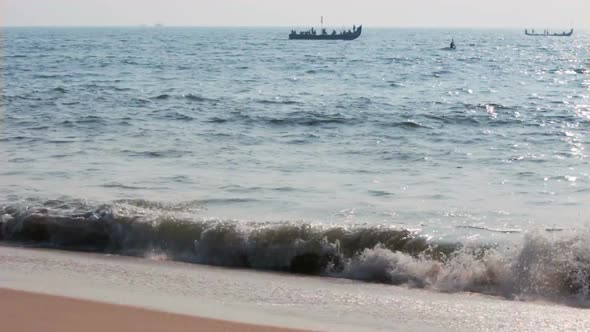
312, 34
547, 34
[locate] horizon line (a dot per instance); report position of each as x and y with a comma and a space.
161, 25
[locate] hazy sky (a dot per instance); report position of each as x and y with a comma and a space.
422, 13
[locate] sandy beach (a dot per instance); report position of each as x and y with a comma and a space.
25, 311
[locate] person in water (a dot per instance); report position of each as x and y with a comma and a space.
453, 46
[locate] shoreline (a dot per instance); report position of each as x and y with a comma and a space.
28, 311
259, 299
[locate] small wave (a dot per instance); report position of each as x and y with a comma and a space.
495, 106
227, 200
299, 141
284, 189
183, 117
20, 138
298, 118
439, 73
176, 116
121, 186
90, 119
190, 97
156, 154
306, 121
140, 101
66, 123
396, 85
39, 128
380, 193
492, 229
196, 98
278, 102
412, 125
163, 206
162, 97
460, 119
217, 120
397, 60
310, 119
50, 76
60, 141
20, 97
407, 125
130, 62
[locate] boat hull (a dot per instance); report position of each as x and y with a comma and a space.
565, 34
346, 36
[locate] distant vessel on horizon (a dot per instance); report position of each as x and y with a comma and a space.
324, 35
547, 34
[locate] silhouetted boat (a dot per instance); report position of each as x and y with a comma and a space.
324, 35
547, 34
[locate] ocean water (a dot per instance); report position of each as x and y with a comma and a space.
390, 158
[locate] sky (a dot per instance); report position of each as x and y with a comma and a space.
540, 14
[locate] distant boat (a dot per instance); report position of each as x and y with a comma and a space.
547, 34
324, 35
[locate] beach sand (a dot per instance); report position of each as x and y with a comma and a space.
25, 311
222, 296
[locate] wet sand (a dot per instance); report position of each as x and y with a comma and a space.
253, 297
25, 311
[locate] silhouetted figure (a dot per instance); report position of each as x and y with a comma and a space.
453, 46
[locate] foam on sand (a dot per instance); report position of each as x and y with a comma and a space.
276, 299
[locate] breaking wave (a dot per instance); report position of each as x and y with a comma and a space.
555, 268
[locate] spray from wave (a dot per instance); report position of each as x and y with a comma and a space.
555, 268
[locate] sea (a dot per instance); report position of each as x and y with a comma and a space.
389, 159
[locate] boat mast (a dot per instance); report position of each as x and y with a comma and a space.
322, 20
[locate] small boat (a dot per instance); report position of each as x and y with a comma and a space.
547, 34
324, 35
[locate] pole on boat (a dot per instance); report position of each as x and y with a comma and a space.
322, 20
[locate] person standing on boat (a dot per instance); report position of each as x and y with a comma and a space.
453, 46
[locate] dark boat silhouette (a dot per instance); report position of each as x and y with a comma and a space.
324, 35
547, 34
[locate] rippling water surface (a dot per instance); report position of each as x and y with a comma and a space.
390, 131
